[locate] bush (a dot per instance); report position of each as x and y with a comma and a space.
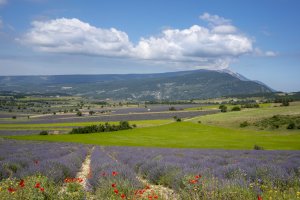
223, 108
44, 133
14, 117
291, 125
123, 125
79, 113
285, 103
199, 122
178, 120
256, 147
244, 124
236, 108
91, 112
250, 105
172, 108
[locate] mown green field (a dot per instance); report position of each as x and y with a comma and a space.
181, 135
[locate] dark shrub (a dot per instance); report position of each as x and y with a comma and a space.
79, 113
256, 147
236, 108
178, 120
91, 112
244, 124
14, 117
291, 125
250, 105
223, 108
44, 133
285, 103
172, 108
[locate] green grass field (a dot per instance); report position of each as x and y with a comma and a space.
181, 135
140, 123
233, 119
217, 131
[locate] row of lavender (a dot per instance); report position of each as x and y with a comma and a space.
55, 160
246, 169
110, 179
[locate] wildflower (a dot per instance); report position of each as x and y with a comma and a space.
103, 174
11, 190
193, 181
37, 185
36, 162
42, 189
116, 191
22, 183
147, 187
259, 197
80, 180
123, 196
155, 197
114, 173
198, 176
113, 185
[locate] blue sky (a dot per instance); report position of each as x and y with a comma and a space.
258, 39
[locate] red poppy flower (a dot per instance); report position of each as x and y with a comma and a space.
147, 187
116, 191
114, 173
37, 185
123, 196
103, 174
36, 162
80, 180
22, 183
155, 197
42, 189
198, 176
193, 181
11, 190
259, 197
113, 185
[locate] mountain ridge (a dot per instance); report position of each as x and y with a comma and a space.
180, 85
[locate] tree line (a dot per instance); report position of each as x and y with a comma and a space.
123, 125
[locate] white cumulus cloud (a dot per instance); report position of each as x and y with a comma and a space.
214, 46
214, 19
76, 37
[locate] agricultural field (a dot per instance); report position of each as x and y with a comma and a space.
192, 151
70, 171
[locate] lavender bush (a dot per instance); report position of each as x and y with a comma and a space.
228, 168
55, 160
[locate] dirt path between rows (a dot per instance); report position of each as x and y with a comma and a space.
162, 191
84, 171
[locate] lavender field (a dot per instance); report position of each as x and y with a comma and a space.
145, 173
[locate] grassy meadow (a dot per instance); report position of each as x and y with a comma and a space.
181, 135
217, 131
